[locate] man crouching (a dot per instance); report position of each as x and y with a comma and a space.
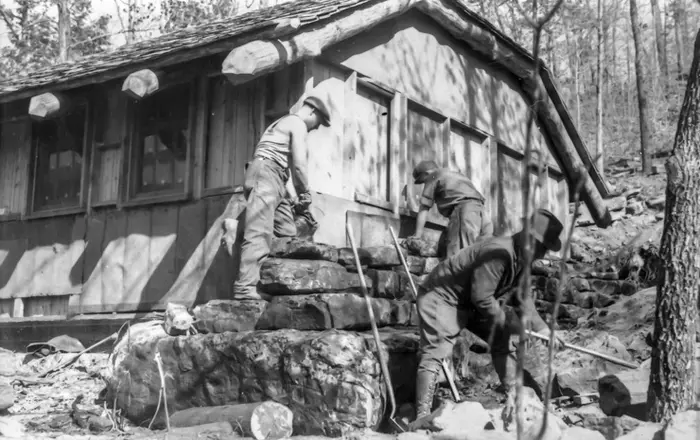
463, 291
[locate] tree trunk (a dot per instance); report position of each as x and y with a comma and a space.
599, 92
63, 29
642, 88
656, 6
680, 37
672, 378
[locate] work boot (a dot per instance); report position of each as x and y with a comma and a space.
426, 382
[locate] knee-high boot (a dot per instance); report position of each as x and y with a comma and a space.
426, 382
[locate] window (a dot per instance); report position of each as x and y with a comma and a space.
107, 146
161, 142
469, 154
58, 161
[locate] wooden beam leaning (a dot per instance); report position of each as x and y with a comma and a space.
261, 56
48, 105
142, 83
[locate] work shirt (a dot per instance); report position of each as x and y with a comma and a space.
447, 189
275, 145
477, 276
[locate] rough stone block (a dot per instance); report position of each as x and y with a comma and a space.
331, 380
279, 276
335, 310
624, 393
295, 248
220, 315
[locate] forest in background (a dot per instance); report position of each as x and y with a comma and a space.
589, 46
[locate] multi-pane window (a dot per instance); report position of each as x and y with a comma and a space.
161, 140
58, 160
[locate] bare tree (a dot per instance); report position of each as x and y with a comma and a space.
599, 90
672, 378
642, 87
678, 15
659, 29
63, 29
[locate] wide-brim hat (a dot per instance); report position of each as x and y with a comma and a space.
421, 170
319, 104
59, 344
546, 228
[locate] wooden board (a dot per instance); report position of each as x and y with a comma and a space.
510, 201
372, 158
136, 259
14, 163
104, 286
235, 125
190, 255
161, 256
324, 153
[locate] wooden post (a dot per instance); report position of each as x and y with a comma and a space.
48, 105
142, 83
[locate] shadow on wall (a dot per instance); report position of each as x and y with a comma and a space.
129, 260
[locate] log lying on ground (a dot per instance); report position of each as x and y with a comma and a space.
262, 420
210, 430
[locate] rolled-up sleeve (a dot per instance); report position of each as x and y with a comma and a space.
485, 279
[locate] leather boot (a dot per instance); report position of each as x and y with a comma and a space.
425, 391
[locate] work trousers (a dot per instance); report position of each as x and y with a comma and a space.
468, 221
440, 324
268, 213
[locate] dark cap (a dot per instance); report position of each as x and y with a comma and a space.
420, 171
546, 228
320, 106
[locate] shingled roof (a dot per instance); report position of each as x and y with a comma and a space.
217, 34
220, 36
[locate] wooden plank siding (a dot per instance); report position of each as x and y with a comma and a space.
400, 93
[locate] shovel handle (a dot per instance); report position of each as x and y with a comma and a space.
404, 263
603, 356
375, 332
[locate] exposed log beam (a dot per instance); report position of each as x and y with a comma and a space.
261, 56
48, 105
142, 83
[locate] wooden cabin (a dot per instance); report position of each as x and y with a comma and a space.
116, 171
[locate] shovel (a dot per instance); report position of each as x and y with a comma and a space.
445, 367
375, 332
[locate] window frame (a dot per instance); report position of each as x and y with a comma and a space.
31, 211
131, 162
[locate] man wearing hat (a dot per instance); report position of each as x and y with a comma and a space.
466, 290
456, 198
279, 153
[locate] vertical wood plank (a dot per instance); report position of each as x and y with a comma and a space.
113, 264
494, 187
18, 308
238, 142
444, 143
217, 130
200, 138
91, 268
136, 258
350, 152
161, 256
398, 148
